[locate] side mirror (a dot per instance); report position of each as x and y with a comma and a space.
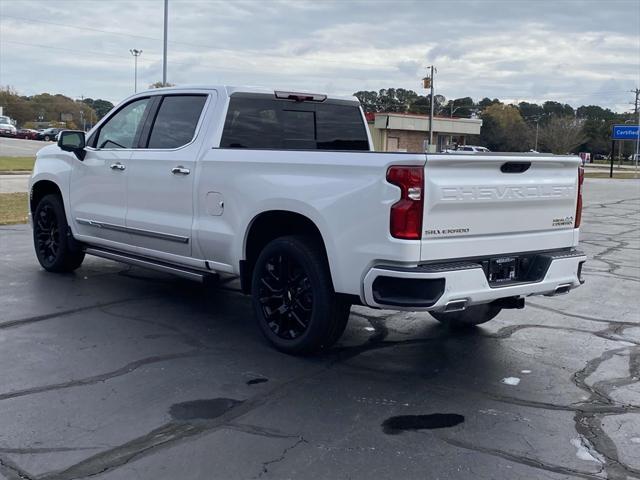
72, 141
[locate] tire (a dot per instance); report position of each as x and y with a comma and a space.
54, 249
294, 303
47, 138
469, 317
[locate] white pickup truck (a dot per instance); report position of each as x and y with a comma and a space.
284, 190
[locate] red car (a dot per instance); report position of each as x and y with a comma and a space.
27, 133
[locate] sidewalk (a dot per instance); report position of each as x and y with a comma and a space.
14, 183
607, 166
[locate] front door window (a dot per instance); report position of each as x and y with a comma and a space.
121, 130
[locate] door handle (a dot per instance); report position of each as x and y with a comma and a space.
180, 170
117, 166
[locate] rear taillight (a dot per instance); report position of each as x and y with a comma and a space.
579, 203
406, 213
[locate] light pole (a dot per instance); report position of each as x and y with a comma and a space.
536, 146
136, 53
164, 51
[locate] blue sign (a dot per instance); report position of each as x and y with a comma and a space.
625, 132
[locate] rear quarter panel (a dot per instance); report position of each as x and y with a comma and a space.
345, 194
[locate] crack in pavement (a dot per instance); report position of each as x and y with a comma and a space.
47, 316
521, 459
258, 430
582, 317
173, 432
126, 369
122, 454
589, 424
27, 451
265, 465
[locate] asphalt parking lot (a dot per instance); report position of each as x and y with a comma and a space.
19, 147
120, 373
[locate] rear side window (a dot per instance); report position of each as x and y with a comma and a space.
176, 121
267, 123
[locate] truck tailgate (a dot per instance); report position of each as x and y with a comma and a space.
486, 204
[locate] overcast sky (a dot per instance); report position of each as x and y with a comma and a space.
579, 52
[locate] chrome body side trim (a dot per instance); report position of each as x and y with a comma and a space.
135, 231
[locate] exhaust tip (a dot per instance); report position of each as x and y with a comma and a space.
560, 290
456, 305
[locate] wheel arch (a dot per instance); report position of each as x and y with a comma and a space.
267, 226
40, 189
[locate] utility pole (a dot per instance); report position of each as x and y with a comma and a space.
637, 115
426, 83
164, 51
136, 53
433, 101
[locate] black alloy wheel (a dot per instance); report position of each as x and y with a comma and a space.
294, 303
47, 234
285, 296
56, 251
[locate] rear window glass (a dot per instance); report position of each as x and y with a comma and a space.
267, 123
176, 121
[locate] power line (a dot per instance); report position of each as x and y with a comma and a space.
89, 29
85, 53
49, 47
186, 44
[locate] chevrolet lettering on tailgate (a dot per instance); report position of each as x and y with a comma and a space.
505, 192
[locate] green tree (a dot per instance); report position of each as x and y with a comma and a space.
368, 99
15, 106
530, 112
387, 100
504, 130
460, 107
60, 108
421, 105
487, 102
557, 109
100, 106
405, 98
595, 112
597, 134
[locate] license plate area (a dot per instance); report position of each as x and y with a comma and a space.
502, 270
512, 269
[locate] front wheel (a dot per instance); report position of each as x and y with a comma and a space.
52, 246
469, 317
294, 302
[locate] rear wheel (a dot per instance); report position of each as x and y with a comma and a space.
469, 317
47, 138
50, 230
293, 298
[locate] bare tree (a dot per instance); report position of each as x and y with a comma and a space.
562, 134
161, 85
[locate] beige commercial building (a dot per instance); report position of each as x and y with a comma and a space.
403, 132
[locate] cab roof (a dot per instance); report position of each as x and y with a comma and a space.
230, 90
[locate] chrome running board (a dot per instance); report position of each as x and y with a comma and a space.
147, 263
